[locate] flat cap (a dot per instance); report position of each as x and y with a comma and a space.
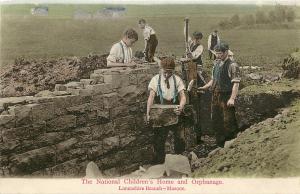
198, 35
221, 47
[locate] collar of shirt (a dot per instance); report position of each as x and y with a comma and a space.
123, 43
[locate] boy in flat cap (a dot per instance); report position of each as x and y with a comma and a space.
224, 85
150, 40
167, 88
213, 40
120, 54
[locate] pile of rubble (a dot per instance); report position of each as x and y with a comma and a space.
28, 77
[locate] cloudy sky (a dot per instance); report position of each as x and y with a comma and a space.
286, 2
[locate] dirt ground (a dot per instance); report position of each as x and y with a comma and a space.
270, 148
28, 77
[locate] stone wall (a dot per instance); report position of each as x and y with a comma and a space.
100, 119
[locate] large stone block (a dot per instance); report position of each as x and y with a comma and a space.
111, 100
23, 114
42, 112
66, 145
47, 139
97, 102
18, 133
103, 88
32, 161
79, 109
120, 111
117, 80
100, 131
163, 115
10, 147
98, 78
61, 123
80, 91
111, 143
7, 120
128, 95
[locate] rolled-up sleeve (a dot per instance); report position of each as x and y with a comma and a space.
153, 84
234, 73
114, 54
181, 85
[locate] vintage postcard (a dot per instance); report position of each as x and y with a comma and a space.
162, 96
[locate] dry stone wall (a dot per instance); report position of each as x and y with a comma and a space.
99, 119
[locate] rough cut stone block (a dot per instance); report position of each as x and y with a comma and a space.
74, 85
49, 139
103, 88
163, 115
97, 78
111, 143
23, 114
81, 119
80, 91
61, 123
11, 101
120, 111
7, 120
128, 94
110, 100
117, 80
79, 109
32, 161
16, 133
8, 147
42, 112
66, 145
60, 87
103, 130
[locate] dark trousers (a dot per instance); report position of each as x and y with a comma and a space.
160, 136
150, 48
223, 118
211, 55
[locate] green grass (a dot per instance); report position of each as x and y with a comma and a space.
57, 35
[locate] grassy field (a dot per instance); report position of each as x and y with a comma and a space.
56, 35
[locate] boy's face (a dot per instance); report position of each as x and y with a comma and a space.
142, 25
168, 72
221, 55
129, 42
196, 41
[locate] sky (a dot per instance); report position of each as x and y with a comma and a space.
258, 2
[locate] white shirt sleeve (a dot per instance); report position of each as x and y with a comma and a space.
209, 42
197, 52
153, 84
115, 54
147, 32
180, 84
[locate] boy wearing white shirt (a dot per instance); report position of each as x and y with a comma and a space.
150, 40
120, 54
167, 88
